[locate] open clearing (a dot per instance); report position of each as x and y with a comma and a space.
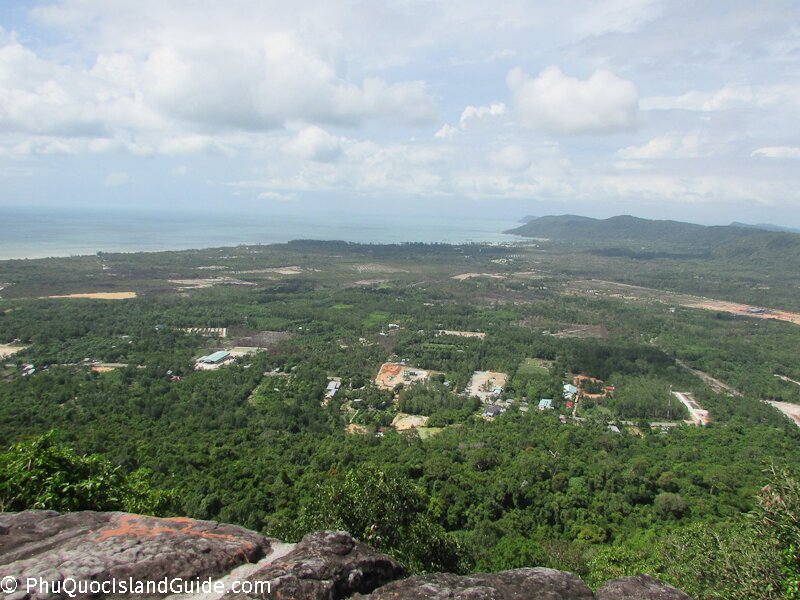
487, 384
582, 331
466, 334
425, 433
195, 284
624, 291
698, 415
356, 429
370, 281
292, 270
377, 268
535, 367
404, 422
7, 350
100, 295
391, 374
465, 276
207, 331
747, 310
262, 339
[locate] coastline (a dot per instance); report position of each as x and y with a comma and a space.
37, 233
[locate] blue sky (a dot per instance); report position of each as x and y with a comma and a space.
666, 109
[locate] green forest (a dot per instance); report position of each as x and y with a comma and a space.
104, 404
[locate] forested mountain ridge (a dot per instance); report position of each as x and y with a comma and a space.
630, 228
625, 233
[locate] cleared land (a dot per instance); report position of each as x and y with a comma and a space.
262, 339
391, 374
404, 422
582, 331
747, 310
194, 284
377, 268
7, 350
370, 281
465, 276
425, 433
485, 384
599, 287
355, 429
696, 412
467, 334
293, 270
535, 367
217, 331
100, 295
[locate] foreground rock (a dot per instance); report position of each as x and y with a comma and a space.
328, 564
641, 587
519, 584
233, 562
94, 546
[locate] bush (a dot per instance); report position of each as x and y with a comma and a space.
42, 474
387, 512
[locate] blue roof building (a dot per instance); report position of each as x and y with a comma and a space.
215, 358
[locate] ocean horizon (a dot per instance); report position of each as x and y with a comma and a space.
40, 233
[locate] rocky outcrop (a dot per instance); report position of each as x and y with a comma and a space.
519, 584
93, 546
327, 564
43, 551
641, 587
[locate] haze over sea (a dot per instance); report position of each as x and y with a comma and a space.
39, 232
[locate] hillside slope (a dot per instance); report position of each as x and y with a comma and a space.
725, 241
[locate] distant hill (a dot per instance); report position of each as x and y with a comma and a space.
764, 226
621, 233
619, 228
527, 219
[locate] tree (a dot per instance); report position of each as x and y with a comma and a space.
387, 512
670, 505
42, 474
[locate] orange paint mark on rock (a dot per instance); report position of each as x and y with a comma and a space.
147, 527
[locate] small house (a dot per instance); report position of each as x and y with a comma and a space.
333, 387
492, 411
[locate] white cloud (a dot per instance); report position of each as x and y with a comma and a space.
314, 143
117, 179
261, 86
669, 145
554, 102
276, 84
512, 157
477, 113
728, 97
446, 132
777, 152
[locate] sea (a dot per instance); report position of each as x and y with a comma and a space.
34, 232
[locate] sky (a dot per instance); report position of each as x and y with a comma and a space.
687, 110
